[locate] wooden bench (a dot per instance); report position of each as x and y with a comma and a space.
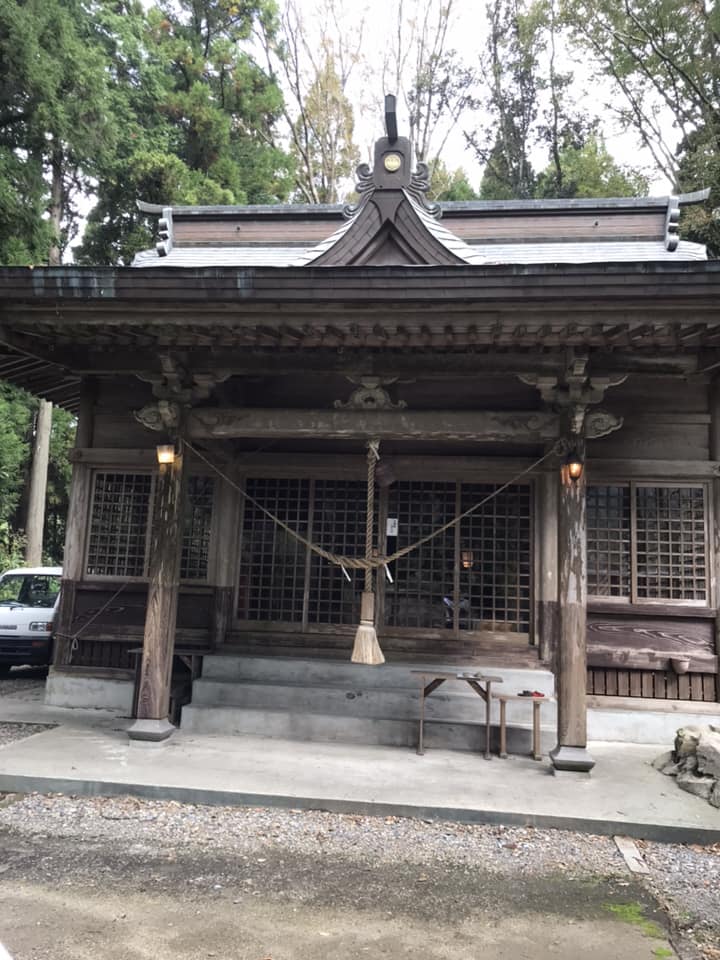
431, 679
537, 703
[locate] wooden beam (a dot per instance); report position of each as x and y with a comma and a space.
571, 750
161, 614
518, 427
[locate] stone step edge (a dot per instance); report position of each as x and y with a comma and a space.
429, 721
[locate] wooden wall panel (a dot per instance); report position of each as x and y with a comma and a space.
521, 227
652, 685
636, 643
640, 438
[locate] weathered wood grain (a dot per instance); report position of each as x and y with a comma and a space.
572, 596
518, 426
164, 581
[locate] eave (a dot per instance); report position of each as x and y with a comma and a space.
61, 322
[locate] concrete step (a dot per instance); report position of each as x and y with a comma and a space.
304, 725
453, 701
308, 672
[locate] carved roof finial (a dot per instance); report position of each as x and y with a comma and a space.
391, 127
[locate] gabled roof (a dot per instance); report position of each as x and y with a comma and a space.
393, 224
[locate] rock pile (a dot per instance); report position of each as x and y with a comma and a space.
695, 762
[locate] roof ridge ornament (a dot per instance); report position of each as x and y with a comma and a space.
392, 170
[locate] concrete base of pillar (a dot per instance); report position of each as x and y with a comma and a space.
571, 759
154, 730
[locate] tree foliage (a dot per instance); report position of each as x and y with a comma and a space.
590, 171
314, 65
196, 113
434, 85
662, 59
55, 122
18, 411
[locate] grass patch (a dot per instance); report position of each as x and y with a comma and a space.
663, 952
633, 913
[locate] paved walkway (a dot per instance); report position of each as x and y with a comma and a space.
89, 754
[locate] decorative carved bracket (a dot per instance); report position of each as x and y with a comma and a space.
600, 423
574, 392
370, 395
163, 415
176, 383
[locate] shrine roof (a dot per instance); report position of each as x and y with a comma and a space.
393, 223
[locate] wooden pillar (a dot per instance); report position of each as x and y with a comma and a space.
160, 617
35, 524
224, 559
571, 750
75, 529
715, 531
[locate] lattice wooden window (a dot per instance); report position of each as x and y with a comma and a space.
338, 524
475, 576
497, 584
670, 537
608, 537
117, 543
197, 528
648, 542
423, 591
273, 564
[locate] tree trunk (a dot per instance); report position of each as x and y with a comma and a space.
56, 207
38, 486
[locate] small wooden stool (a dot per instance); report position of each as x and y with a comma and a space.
537, 703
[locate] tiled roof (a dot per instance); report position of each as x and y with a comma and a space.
496, 253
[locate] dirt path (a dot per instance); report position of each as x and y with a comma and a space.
68, 899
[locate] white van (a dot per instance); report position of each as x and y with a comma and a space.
29, 599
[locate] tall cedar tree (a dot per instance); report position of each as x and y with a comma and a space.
56, 128
196, 114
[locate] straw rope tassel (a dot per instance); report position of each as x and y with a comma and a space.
366, 648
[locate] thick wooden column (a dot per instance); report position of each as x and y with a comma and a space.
571, 750
164, 581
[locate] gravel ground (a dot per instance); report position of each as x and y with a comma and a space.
24, 683
685, 879
10, 732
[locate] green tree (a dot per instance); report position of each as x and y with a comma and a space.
662, 60
55, 126
314, 62
62, 440
196, 114
450, 184
590, 171
18, 410
510, 68
322, 136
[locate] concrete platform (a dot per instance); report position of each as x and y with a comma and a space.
624, 794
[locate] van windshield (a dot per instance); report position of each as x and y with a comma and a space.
29, 590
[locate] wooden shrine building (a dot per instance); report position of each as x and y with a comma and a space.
267, 345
